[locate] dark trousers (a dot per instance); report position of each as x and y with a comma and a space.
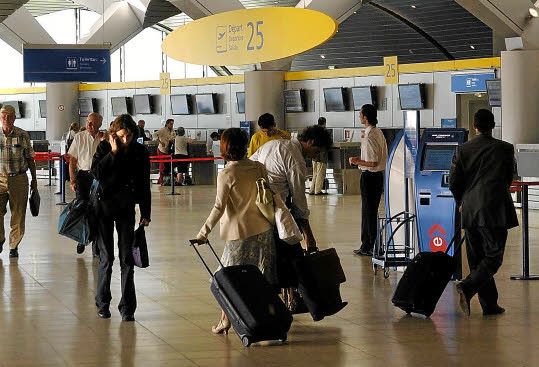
484, 248
119, 211
84, 181
372, 187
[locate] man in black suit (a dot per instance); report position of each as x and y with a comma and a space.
481, 173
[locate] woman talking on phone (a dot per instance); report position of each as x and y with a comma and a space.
122, 167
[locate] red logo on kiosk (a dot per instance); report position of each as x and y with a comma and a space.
437, 243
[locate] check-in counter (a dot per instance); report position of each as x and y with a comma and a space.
345, 175
203, 172
528, 169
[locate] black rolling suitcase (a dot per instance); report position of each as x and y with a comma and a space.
249, 301
425, 279
319, 276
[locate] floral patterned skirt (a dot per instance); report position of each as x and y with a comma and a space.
258, 250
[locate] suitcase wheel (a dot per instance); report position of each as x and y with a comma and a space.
246, 342
386, 273
282, 339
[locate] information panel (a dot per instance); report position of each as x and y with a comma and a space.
66, 63
469, 83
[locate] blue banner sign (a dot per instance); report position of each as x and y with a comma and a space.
449, 123
59, 64
470, 83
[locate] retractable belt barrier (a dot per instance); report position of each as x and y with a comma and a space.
519, 186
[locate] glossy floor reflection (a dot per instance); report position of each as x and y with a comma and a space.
48, 317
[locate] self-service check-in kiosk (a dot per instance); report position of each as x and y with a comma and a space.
437, 214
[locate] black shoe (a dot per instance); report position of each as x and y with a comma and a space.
13, 253
362, 252
321, 193
104, 314
464, 300
311, 193
497, 310
80, 248
128, 317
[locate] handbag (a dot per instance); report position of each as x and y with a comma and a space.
264, 200
73, 221
286, 225
34, 202
140, 248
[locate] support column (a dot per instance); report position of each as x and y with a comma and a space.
520, 110
264, 93
62, 108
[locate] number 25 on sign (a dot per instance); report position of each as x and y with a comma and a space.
391, 70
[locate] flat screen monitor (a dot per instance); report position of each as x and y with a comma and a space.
412, 96
294, 100
362, 96
119, 105
42, 108
240, 98
437, 157
205, 103
334, 99
86, 106
494, 92
180, 104
143, 105
37, 135
17, 105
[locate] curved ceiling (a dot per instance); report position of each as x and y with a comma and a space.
414, 30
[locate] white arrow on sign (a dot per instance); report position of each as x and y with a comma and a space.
104, 61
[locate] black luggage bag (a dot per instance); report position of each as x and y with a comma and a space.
425, 279
249, 301
319, 276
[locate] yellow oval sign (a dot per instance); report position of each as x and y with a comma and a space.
249, 36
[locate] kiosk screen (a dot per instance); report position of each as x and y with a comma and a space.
438, 157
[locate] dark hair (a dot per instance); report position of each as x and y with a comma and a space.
266, 121
370, 113
169, 121
234, 143
122, 122
180, 131
320, 136
214, 135
484, 120
321, 121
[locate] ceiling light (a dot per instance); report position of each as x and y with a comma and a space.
472, 47
413, 6
331, 67
533, 12
323, 56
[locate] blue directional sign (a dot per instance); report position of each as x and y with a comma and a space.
470, 83
66, 64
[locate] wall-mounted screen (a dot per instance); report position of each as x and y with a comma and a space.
17, 105
240, 98
334, 99
438, 157
38, 135
205, 104
143, 104
87, 106
42, 108
412, 96
294, 100
494, 92
119, 105
363, 95
180, 104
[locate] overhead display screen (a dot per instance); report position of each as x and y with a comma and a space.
361, 96
180, 104
240, 98
86, 106
494, 92
411, 96
334, 98
119, 105
293, 101
142, 104
205, 104
437, 157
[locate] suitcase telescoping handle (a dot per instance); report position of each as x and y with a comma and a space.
194, 243
453, 241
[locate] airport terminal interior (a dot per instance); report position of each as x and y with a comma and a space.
427, 67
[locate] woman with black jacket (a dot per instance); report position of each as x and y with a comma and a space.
122, 167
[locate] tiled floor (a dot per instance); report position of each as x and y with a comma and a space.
48, 317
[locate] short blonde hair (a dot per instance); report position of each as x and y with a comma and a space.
10, 110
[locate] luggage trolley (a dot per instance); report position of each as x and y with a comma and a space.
392, 250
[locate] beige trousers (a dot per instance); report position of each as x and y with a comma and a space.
319, 174
15, 191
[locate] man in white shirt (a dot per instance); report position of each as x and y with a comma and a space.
81, 154
373, 164
285, 163
164, 137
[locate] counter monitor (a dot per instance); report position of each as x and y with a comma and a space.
363, 95
494, 92
438, 157
240, 98
119, 105
334, 99
142, 104
294, 100
42, 108
87, 106
412, 96
17, 105
205, 104
181, 104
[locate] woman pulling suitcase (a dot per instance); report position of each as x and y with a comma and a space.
248, 234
